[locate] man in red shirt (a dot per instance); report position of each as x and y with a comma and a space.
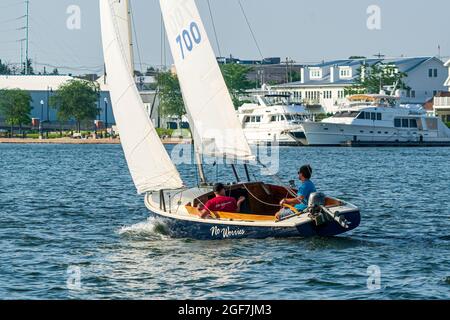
221, 203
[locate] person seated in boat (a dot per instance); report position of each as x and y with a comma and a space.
300, 203
221, 203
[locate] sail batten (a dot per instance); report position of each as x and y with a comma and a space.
218, 132
148, 161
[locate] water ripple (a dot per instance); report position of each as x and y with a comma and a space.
69, 208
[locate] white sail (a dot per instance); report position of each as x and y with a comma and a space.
123, 18
148, 161
205, 93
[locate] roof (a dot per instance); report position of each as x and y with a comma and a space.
33, 83
407, 64
403, 64
38, 82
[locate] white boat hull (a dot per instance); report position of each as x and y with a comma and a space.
330, 134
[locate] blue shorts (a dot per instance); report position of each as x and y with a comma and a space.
285, 213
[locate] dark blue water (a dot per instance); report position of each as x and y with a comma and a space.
72, 227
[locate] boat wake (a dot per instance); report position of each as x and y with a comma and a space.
151, 229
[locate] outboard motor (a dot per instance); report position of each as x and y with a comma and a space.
320, 214
316, 201
315, 205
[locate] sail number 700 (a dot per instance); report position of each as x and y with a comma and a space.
189, 38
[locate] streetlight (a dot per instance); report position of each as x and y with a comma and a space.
106, 114
41, 119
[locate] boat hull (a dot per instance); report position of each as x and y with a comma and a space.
333, 134
215, 230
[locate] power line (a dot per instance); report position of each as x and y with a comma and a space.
12, 19
11, 5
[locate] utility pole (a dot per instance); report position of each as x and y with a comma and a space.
27, 2
380, 56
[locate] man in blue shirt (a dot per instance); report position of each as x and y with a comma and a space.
301, 202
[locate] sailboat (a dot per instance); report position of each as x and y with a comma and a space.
217, 133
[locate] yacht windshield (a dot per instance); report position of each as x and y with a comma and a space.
275, 100
346, 114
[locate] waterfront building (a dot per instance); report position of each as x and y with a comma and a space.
441, 103
41, 89
268, 70
322, 87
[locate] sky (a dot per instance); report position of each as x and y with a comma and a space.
303, 30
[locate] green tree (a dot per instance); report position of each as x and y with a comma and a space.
376, 78
29, 63
170, 98
4, 68
235, 76
295, 76
76, 99
15, 107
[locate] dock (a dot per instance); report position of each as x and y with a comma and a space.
415, 144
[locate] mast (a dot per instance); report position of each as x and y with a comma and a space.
200, 169
130, 34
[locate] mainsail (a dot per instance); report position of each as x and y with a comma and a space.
148, 161
123, 18
216, 127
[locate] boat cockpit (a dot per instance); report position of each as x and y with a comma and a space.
261, 204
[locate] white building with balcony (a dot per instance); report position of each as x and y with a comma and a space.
323, 86
442, 101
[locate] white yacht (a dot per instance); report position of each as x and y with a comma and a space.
375, 119
273, 119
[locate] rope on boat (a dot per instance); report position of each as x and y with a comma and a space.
281, 182
259, 200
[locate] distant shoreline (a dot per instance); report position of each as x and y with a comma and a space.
79, 141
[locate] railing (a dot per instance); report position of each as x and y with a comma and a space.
442, 102
52, 126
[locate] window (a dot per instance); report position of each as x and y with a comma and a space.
315, 73
379, 116
373, 116
397, 123
432, 73
413, 123
413, 93
247, 119
346, 114
345, 72
405, 123
273, 119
